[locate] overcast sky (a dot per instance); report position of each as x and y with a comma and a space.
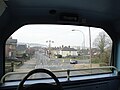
60, 34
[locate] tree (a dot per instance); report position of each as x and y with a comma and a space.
104, 44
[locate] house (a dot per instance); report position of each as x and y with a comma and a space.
68, 51
55, 51
21, 49
10, 48
30, 51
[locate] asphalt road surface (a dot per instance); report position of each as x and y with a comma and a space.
41, 60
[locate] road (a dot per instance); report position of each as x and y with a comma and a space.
41, 60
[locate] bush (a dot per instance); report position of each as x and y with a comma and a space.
96, 60
59, 56
102, 58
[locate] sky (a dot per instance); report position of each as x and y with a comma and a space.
60, 34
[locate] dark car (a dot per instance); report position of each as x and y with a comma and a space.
73, 61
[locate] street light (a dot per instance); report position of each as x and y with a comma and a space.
83, 42
49, 41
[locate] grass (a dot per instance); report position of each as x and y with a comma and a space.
76, 58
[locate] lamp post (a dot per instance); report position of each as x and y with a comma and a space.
49, 48
83, 42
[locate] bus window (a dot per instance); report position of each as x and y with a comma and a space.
57, 48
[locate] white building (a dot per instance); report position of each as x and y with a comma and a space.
67, 51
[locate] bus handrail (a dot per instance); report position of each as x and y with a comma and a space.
66, 70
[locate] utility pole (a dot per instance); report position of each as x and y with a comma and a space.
49, 47
90, 48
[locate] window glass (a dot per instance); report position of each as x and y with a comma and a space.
57, 48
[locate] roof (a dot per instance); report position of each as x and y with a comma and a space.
11, 41
55, 48
68, 49
21, 47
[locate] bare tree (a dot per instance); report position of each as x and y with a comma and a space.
102, 42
